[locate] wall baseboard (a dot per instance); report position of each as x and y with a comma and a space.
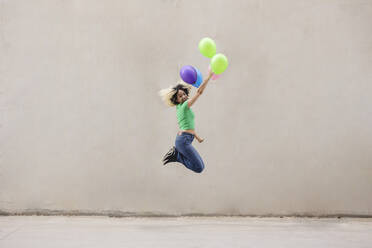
118, 214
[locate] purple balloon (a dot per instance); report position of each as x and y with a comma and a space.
188, 74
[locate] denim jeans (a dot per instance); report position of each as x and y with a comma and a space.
187, 154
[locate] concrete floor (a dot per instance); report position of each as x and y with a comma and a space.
60, 231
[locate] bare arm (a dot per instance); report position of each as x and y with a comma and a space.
199, 91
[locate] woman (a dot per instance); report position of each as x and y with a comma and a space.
184, 152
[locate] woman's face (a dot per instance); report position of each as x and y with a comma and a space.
181, 96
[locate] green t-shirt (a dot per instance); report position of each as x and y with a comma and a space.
185, 116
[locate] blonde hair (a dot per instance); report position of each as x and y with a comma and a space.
167, 94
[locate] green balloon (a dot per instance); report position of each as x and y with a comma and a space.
219, 63
207, 47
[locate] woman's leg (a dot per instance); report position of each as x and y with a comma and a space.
187, 154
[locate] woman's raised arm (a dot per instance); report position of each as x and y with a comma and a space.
200, 90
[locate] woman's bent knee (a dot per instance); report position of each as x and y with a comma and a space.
199, 169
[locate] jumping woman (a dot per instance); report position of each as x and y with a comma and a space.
183, 151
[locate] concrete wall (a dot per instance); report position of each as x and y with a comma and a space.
287, 126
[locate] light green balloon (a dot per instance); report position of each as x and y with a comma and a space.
207, 47
219, 63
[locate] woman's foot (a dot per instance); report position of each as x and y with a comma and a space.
171, 156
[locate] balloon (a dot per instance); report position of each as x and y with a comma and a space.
219, 63
214, 76
207, 47
199, 79
188, 74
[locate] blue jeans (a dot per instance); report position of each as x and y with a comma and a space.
187, 154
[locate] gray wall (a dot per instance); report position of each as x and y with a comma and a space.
287, 126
